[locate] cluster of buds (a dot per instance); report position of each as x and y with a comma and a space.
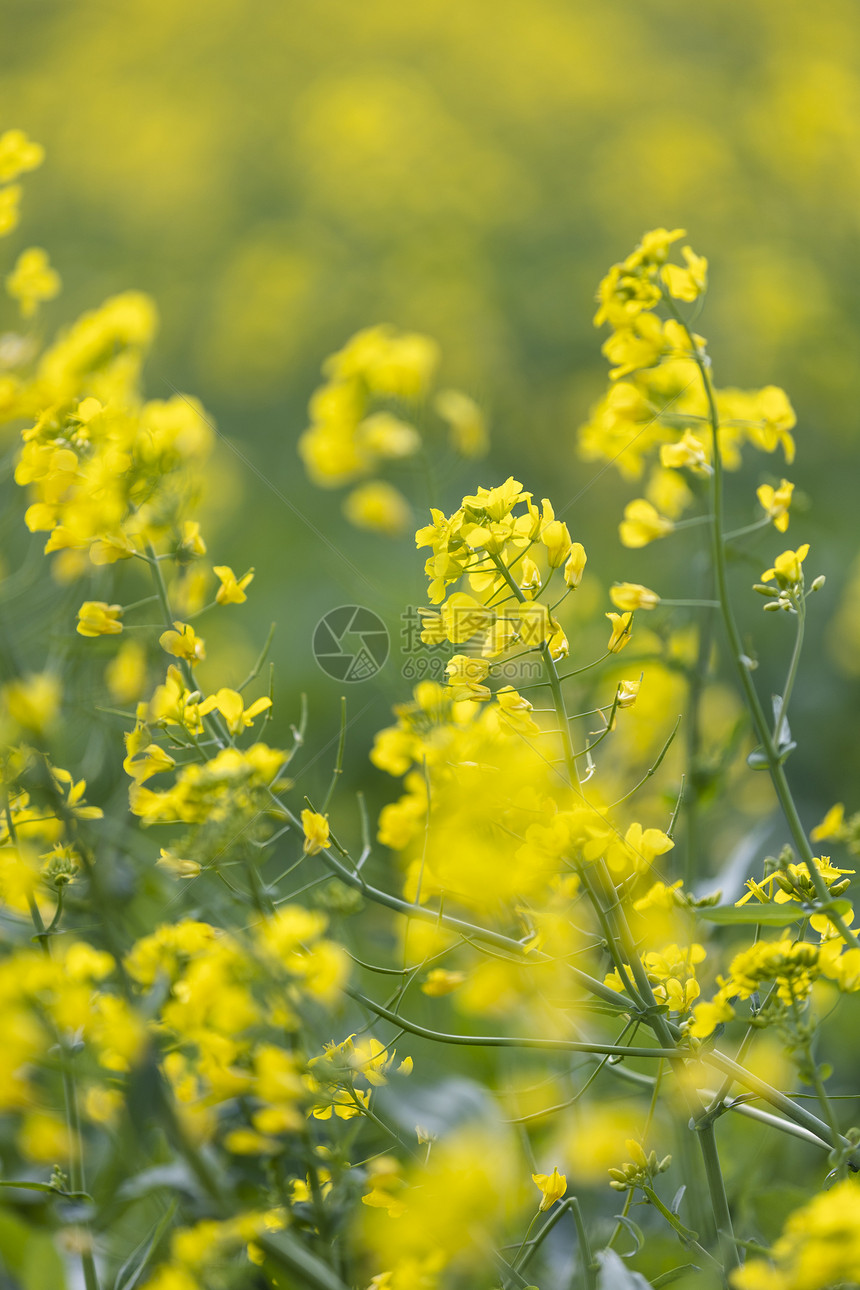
794, 880
641, 1171
60, 867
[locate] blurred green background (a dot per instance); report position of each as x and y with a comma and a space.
280, 174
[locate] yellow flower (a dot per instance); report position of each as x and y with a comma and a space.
467, 428
831, 825
316, 832
575, 566
125, 674
231, 591
687, 284
230, 704
642, 523
628, 692
439, 982
689, 451
632, 595
378, 506
32, 280
787, 567
32, 701
97, 618
183, 643
636, 346
654, 247
465, 675
9, 213
17, 154
552, 1187
192, 542
177, 866
554, 536
622, 630
776, 502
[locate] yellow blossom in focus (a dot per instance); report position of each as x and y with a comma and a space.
622, 630
628, 692
378, 506
632, 595
787, 567
232, 590
32, 280
575, 566
183, 642
97, 618
776, 503
316, 830
642, 524
551, 1186
231, 706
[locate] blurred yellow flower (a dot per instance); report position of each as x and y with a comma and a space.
32, 280
97, 618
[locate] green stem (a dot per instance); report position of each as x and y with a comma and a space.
688, 1237
762, 726
780, 714
515, 1260
717, 1191
506, 1041
586, 1258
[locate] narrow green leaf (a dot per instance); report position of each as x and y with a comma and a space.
768, 915
635, 1231
39, 1186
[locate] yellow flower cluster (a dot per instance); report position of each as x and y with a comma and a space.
357, 424
18, 154
819, 1246
657, 405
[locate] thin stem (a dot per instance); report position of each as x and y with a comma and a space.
688, 1237
338, 765
782, 709
762, 727
586, 1258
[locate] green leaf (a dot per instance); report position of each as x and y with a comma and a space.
767, 915
135, 1265
614, 1275
635, 1231
53, 1191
